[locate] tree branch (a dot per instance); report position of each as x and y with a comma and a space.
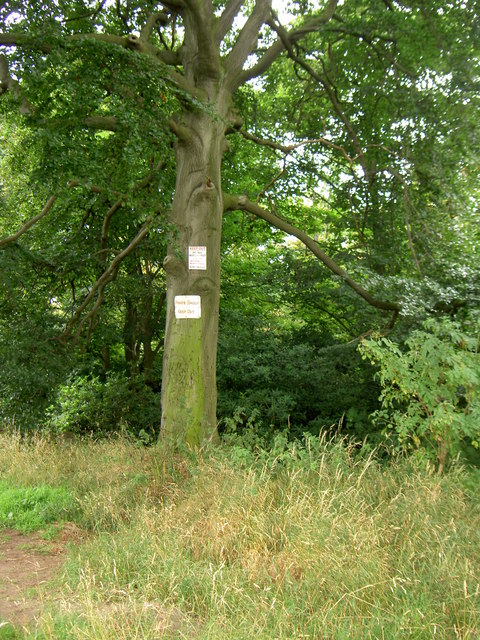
121, 198
142, 184
102, 123
107, 276
24, 40
156, 316
263, 64
132, 42
105, 123
91, 14
242, 203
174, 5
157, 17
106, 224
94, 188
8, 83
200, 54
225, 21
329, 88
407, 202
167, 57
269, 57
287, 40
286, 149
275, 178
246, 41
30, 223
369, 39
127, 42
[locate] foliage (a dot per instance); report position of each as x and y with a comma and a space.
32, 362
48, 273
289, 381
431, 390
32, 367
287, 345
89, 405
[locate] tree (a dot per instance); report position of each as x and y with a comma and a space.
353, 93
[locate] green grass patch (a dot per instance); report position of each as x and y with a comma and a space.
9, 632
35, 507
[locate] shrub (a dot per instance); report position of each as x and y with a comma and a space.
290, 383
430, 390
88, 405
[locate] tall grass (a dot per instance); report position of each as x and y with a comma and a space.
311, 541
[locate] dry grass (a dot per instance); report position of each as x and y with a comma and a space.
312, 542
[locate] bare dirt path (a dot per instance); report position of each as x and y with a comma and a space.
27, 564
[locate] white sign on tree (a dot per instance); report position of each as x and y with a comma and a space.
197, 258
188, 307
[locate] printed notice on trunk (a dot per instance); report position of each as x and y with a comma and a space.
188, 307
197, 258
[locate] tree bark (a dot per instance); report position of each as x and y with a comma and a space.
189, 395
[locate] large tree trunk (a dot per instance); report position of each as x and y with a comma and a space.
189, 395
189, 390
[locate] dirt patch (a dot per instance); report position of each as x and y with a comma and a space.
27, 564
